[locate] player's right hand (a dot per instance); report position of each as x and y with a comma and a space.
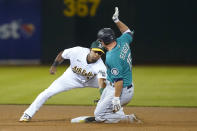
116, 104
52, 70
115, 15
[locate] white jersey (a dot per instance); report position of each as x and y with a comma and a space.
78, 63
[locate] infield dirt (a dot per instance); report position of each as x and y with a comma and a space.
57, 118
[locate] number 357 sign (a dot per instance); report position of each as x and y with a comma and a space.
81, 8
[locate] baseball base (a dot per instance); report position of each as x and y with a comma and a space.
80, 119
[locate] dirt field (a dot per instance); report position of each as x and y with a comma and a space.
57, 118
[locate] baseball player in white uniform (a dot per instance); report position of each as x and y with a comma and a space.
86, 70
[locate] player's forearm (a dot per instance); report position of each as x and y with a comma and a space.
102, 85
101, 82
58, 60
121, 26
118, 88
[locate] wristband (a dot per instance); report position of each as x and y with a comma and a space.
116, 20
101, 90
55, 63
116, 98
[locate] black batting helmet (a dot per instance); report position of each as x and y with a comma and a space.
106, 35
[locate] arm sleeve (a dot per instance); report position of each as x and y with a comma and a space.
129, 32
102, 74
102, 71
126, 38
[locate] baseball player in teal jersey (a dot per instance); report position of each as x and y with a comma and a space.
120, 69
119, 85
119, 88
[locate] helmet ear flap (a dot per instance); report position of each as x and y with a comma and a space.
106, 35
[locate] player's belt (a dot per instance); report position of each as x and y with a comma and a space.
128, 87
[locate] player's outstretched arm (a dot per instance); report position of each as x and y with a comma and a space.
102, 85
58, 60
121, 26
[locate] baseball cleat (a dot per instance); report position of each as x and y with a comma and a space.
90, 119
25, 118
134, 119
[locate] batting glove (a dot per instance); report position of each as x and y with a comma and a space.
116, 15
116, 104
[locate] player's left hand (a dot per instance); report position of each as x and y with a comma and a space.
116, 104
96, 100
52, 70
115, 15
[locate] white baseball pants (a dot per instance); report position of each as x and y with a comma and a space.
104, 111
65, 82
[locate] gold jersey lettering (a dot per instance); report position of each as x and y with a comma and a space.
79, 70
74, 69
82, 72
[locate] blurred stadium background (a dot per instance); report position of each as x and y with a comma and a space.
32, 32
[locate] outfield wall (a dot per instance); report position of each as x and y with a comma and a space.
164, 30
20, 37
36, 30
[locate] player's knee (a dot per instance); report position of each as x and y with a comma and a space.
47, 94
97, 113
99, 119
105, 118
98, 116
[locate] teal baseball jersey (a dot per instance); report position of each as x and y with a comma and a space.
119, 61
